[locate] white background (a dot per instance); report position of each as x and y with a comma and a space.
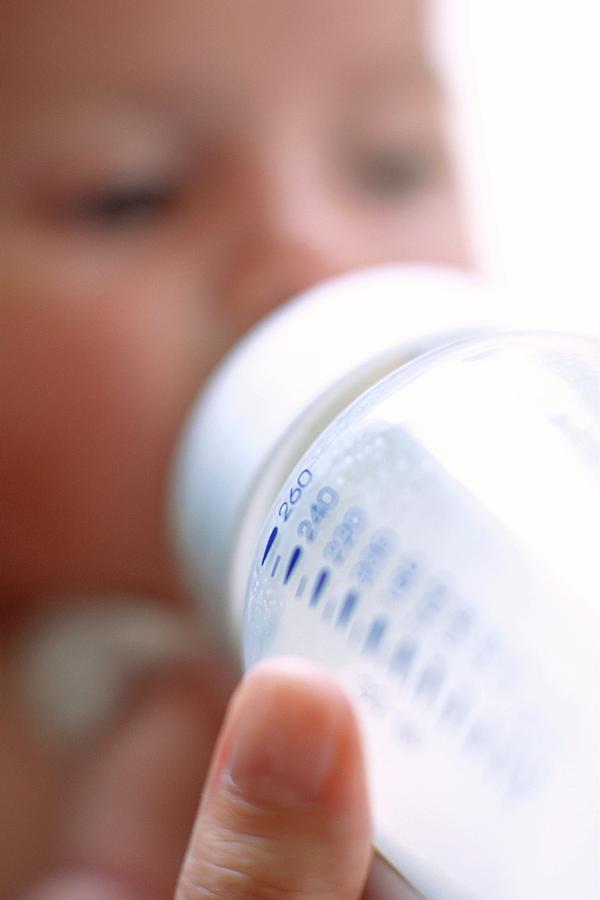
526, 78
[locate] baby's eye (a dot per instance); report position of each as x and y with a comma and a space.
123, 207
393, 174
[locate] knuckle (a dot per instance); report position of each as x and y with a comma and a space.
232, 867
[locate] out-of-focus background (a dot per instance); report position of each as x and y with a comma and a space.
526, 77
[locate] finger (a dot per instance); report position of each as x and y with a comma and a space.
285, 811
134, 799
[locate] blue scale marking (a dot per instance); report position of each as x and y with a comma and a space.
329, 610
430, 682
347, 610
404, 656
269, 544
320, 583
375, 635
294, 560
301, 586
276, 566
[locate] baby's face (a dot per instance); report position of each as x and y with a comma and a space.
172, 171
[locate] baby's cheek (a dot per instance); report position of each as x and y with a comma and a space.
96, 388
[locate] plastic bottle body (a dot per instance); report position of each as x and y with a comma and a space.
436, 547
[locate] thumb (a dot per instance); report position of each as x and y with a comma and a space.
285, 809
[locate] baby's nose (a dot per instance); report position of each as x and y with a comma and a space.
287, 234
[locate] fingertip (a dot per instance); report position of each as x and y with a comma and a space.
285, 737
295, 669
291, 731
287, 791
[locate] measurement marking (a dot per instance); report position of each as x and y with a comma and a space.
376, 632
403, 657
322, 579
430, 682
301, 586
294, 558
455, 710
347, 610
270, 543
276, 566
329, 610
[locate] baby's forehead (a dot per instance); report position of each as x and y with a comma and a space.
206, 46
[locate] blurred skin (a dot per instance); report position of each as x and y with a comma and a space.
170, 174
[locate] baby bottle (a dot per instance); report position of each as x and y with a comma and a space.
398, 475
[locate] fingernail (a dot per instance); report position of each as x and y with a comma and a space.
80, 886
285, 737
